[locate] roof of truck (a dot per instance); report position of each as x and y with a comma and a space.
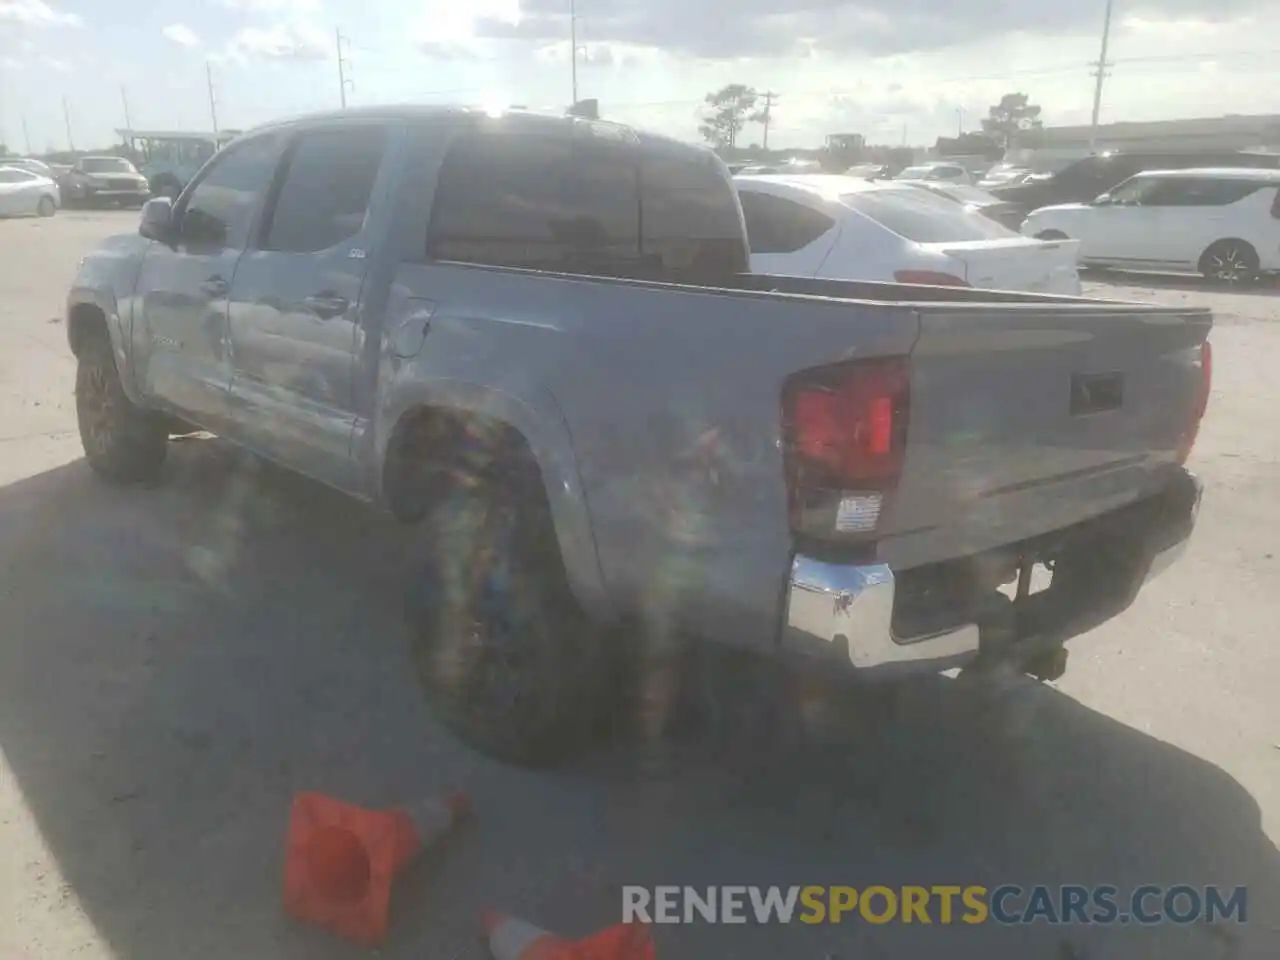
527, 120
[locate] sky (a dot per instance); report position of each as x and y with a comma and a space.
894, 70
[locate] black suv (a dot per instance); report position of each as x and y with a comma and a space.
1085, 179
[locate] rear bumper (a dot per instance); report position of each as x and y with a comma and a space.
845, 613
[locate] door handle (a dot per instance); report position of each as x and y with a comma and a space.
326, 305
214, 287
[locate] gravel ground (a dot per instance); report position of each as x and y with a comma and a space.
175, 663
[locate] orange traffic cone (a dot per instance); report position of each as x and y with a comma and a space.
340, 859
512, 939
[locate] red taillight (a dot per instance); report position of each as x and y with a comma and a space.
845, 430
1202, 402
931, 278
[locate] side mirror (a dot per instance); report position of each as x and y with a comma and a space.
157, 219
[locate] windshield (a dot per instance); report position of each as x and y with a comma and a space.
922, 216
106, 165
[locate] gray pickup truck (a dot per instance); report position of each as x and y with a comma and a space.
536, 338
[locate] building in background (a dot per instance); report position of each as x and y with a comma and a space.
1234, 132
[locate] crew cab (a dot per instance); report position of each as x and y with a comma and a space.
537, 339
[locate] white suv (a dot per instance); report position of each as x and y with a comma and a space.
1221, 222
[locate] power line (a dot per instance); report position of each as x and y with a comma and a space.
1100, 74
66, 116
213, 100
769, 97
343, 80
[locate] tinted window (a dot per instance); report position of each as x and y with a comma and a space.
923, 217
220, 209
565, 203
692, 224
328, 180
778, 225
1199, 192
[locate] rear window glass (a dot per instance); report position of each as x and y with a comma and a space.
922, 217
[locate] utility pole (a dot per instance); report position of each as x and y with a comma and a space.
343, 80
769, 97
959, 121
124, 98
26, 135
66, 116
1101, 74
213, 102
573, 45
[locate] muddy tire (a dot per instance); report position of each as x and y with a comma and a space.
122, 442
507, 659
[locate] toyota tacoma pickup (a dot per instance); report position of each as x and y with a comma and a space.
537, 339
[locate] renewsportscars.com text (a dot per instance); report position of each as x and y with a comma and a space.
941, 904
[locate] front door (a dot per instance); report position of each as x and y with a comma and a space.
180, 333
295, 301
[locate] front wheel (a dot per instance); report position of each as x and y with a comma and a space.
123, 443
508, 660
1230, 262
46, 207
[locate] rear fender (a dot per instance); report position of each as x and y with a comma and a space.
538, 420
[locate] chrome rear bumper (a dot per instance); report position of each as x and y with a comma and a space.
845, 612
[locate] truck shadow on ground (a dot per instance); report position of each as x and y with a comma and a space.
176, 662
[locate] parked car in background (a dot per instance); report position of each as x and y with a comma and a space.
104, 181
31, 164
1082, 180
1223, 223
944, 172
1004, 174
849, 229
976, 201
24, 194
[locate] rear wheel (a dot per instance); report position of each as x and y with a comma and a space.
1230, 262
508, 660
46, 206
123, 443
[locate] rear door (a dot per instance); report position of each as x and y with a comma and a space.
296, 297
786, 236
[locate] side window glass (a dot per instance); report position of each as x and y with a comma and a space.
692, 222
777, 225
219, 211
537, 202
1134, 190
328, 180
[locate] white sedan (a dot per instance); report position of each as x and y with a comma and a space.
843, 228
23, 193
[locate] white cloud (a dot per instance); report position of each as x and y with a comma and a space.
601, 54
58, 65
293, 40
182, 35
445, 24
273, 6
37, 13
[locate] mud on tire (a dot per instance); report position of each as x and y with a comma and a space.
122, 442
507, 659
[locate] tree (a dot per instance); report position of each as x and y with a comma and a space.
728, 110
1014, 114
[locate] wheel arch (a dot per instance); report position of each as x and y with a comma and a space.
91, 312
441, 432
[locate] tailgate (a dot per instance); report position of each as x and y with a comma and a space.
1025, 419
1019, 263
